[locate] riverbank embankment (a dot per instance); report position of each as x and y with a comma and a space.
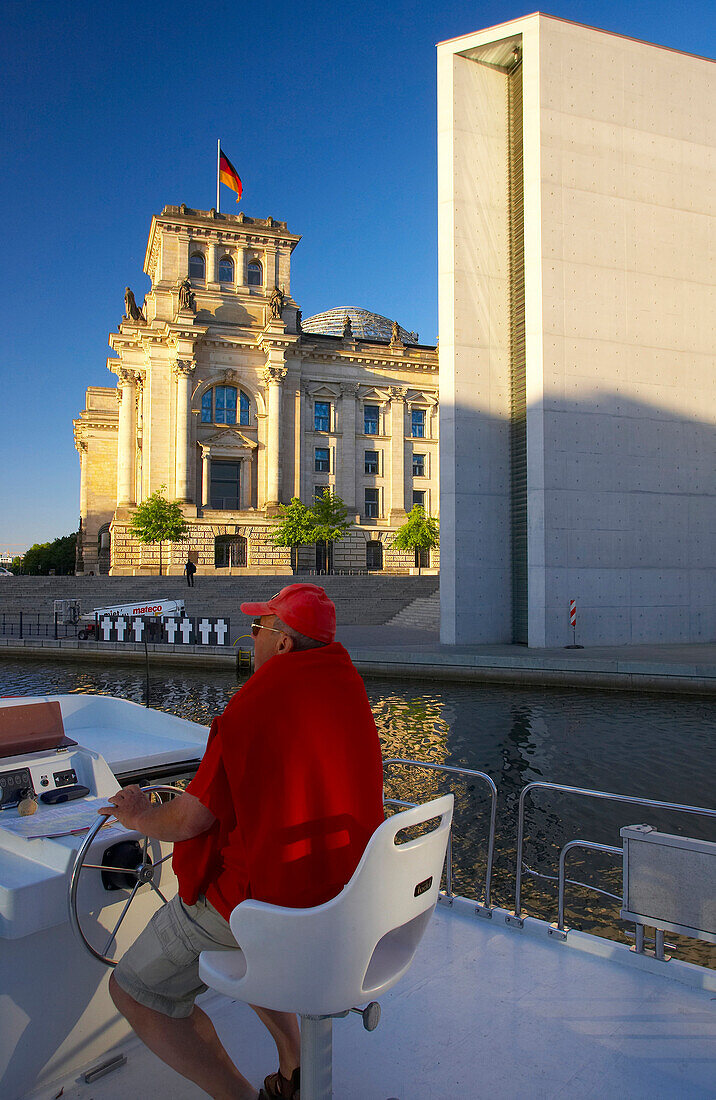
387, 623
416, 654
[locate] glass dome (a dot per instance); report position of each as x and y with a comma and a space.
365, 325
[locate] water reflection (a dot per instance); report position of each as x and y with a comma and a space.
655, 746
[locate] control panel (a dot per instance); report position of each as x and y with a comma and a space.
64, 778
53, 776
14, 785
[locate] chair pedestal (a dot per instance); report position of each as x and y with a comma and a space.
316, 1057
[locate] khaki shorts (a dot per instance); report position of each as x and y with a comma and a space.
161, 968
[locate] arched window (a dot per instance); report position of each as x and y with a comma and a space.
374, 555
230, 551
104, 549
226, 270
219, 406
197, 267
255, 274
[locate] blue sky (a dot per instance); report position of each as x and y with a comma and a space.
111, 110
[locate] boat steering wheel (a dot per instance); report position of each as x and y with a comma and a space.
142, 872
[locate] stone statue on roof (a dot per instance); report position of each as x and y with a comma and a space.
186, 296
132, 312
277, 304
347, 328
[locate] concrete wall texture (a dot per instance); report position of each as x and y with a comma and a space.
619, 152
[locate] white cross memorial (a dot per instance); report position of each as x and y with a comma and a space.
171, 628
106, 628
185, 630
221, 629
205, 631
138, 628
121, 624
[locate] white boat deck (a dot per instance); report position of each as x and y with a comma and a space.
490, 1011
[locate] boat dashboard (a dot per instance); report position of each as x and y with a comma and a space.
60, 759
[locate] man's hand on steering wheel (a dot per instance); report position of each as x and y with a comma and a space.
129, 806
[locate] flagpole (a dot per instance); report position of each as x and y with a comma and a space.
218, 163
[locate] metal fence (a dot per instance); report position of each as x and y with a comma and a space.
23, 624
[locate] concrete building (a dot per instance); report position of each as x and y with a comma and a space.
577, 272
225, 398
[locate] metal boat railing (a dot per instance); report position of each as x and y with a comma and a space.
472, 774
650, 803
484, 908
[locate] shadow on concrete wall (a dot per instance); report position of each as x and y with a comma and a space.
621, 517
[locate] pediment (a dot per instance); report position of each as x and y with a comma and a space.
421, 397
230, 440
324, 389
370, 393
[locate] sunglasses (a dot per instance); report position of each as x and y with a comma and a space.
256, 626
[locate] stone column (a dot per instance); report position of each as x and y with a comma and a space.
306, 448
184, 250
241, 266
273, 377
397, 454
346, 458
283, 278
270, 266
297, 442
183, 370
127, 440
261, 422
212, 274
205, 478
245, 482
82, 450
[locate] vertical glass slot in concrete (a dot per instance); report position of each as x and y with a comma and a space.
518, 402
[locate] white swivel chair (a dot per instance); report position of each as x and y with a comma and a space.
321, 962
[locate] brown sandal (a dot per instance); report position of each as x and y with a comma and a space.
278, 1087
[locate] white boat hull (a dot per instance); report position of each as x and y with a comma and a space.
56, 1016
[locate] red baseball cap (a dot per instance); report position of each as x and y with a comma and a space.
305, 607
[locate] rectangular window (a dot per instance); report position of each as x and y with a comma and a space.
371, 415
371, 462
371, 503
322, 460
418, 465
418, 423
318, 491
225, 485
419, 497
206, 407
322, 416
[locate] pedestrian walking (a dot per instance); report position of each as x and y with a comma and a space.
190, 570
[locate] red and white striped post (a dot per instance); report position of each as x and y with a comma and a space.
573, 624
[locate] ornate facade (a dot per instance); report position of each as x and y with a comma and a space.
225, 398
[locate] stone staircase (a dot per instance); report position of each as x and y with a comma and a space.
365, 600
423, 613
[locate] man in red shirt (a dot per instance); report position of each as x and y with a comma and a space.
282, 806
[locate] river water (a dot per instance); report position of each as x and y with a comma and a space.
652, 746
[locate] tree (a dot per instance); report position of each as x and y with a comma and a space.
295, 528
419, 532
330, 523
158, 520
57, 556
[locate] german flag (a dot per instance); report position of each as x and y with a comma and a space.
229, 175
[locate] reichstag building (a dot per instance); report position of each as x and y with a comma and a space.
226, 397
